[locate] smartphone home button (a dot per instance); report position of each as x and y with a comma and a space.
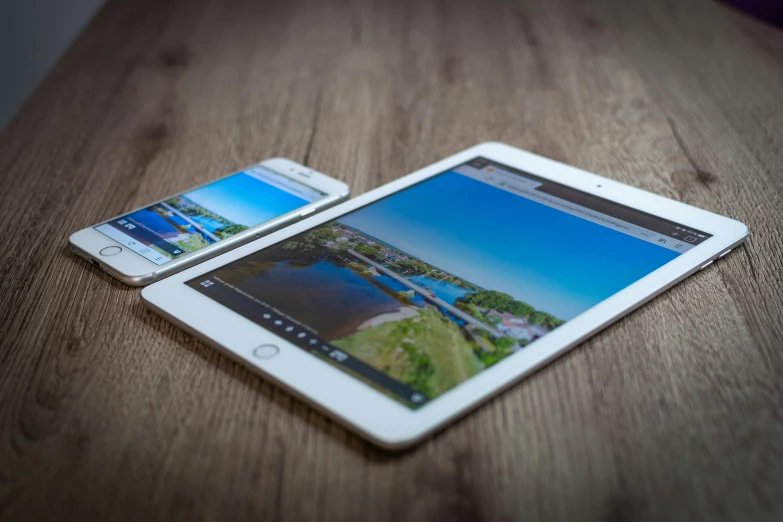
111, 251
266, 351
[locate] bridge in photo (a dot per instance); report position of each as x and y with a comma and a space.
426, 294
201, 228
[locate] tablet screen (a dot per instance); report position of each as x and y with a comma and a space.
419, 291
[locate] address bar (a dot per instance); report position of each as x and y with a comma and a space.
527, 190
577, 209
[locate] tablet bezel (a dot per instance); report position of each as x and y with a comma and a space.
366, 410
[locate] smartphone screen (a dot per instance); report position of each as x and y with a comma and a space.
196, 219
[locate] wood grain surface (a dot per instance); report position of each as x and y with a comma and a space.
107, 412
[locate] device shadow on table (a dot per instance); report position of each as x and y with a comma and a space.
273, 394
278, 397
94, 271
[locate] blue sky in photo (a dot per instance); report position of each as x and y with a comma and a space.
556, 262
245, 199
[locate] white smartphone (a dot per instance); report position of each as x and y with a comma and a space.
404, 308
180, 231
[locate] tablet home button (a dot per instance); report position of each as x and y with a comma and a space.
266, 351
111, 251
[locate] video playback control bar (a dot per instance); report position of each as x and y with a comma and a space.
266, 317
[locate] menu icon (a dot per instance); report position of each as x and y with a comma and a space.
338, 356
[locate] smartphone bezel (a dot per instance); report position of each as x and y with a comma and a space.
378, 417
133, 269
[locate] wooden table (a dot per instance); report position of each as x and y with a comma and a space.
675, 413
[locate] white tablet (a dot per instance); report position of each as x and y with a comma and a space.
406, 307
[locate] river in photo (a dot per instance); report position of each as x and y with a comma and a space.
328, 296
164, 227
208, 223
332, 298
447, 291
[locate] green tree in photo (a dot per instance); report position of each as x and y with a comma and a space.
503, 348
420, 375
544, 319
504, 344
369, 251
411, 267
290, 245
320, 236
229, 230
494, 300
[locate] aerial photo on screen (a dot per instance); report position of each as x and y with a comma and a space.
440, 281
422, 325
209, 214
